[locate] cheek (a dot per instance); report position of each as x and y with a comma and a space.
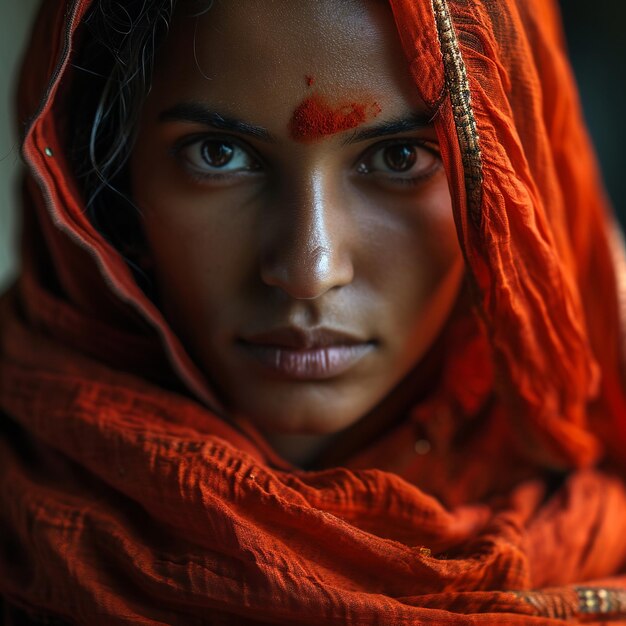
198, 248
439, 251
422, 268
415, 245
439, 270
198, 284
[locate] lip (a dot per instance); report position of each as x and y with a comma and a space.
305, 354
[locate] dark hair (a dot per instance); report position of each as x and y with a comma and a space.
113, 67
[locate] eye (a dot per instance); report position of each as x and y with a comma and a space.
401, 161
400, 158
216, 157
216, 153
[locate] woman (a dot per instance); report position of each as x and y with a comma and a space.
319, 321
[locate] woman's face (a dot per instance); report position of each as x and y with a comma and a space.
295, 207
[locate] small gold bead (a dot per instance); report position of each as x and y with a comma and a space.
422, 446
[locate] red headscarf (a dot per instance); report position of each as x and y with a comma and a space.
126, 499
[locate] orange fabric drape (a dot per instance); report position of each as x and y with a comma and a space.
128, 498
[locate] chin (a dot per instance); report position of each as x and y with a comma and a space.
301, 418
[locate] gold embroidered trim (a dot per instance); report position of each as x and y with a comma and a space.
587, 601
460, 97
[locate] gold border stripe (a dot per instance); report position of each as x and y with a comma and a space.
460, 97
561, 603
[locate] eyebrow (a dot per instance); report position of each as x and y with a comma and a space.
412, 122
197, 113
200, 114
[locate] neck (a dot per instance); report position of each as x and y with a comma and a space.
300, 450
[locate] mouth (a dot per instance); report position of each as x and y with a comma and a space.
303, 354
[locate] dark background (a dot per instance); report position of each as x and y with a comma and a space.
596, 35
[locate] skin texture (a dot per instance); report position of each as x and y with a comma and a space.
308, 234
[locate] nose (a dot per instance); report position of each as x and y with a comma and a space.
307, 251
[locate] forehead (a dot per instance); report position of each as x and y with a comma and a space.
265, 54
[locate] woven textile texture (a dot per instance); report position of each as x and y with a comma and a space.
126, 499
